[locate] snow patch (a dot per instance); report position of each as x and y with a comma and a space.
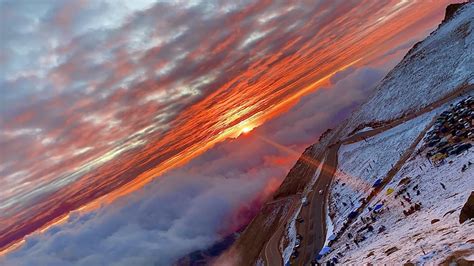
426, 236
364, 162
286, 254
313, 180
329, 227
365, 129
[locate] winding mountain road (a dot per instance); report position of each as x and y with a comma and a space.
271, 250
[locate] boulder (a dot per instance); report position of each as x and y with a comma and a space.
467, 211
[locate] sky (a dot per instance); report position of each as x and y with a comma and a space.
122, 121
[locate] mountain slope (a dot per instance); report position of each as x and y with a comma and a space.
431, 70
418, 219
435, 73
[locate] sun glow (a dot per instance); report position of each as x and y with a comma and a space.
246, 130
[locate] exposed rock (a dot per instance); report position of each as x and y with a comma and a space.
391, 250
451, 10
467, 211
405, 180
325, 134
449, 212
459, 258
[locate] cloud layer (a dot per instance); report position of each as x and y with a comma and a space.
191, 207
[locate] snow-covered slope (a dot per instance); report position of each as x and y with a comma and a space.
364, 162
431, 70
439, 67
427, 235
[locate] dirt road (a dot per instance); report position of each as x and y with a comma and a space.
271, 251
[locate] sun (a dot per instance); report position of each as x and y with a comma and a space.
246, 130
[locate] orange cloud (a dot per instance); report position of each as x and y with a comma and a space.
117, 120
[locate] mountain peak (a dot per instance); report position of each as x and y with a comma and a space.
452, 9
